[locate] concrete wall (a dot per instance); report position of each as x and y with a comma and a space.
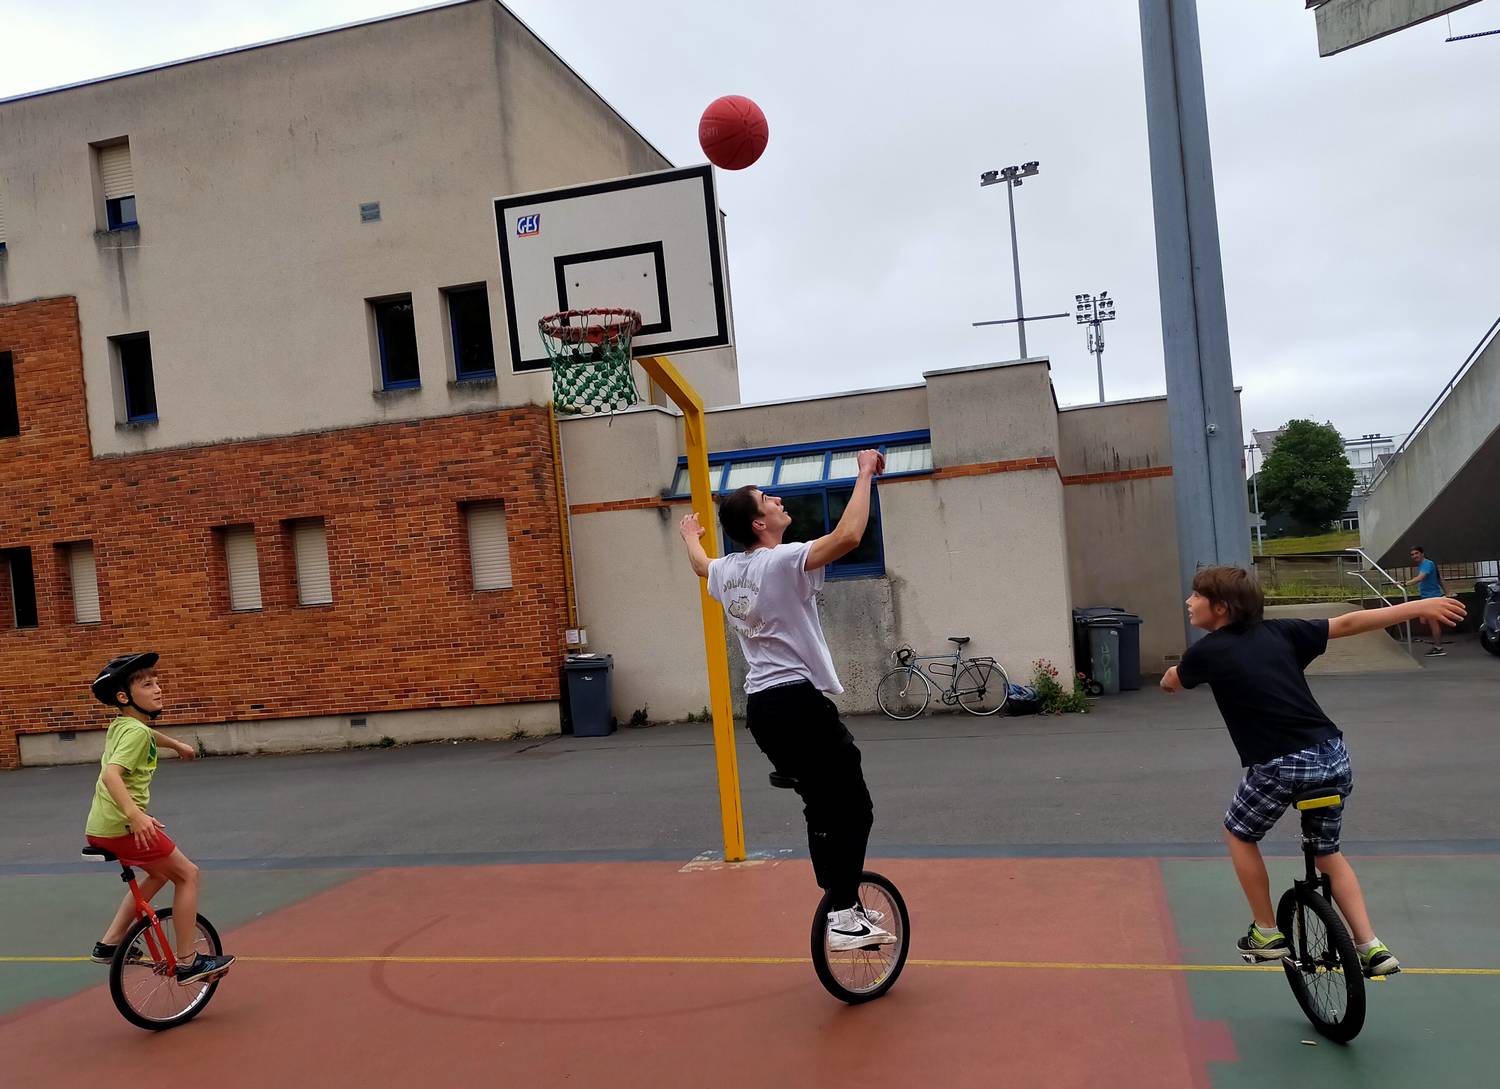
1440, 492
315, 733
975, 549
1344, 24
251, 267
1122, 526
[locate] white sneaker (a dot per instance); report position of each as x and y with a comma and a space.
849, 928
875, 917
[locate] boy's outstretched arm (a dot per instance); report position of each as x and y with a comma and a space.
181, 748
1170, 681
692, 533
1447, 611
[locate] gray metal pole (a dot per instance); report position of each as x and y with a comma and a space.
1207, 472
1099, 358
1015, 261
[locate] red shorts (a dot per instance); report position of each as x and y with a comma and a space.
124, 848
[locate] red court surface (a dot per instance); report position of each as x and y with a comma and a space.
419, 977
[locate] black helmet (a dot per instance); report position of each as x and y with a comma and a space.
111, 679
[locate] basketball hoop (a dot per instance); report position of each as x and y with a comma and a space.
590, 355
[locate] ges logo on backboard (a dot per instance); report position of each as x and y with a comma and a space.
526, 226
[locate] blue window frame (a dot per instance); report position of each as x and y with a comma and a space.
136, 377
814, 482
396, 332
120, 212
469, 322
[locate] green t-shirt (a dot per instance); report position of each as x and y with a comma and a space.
131, 744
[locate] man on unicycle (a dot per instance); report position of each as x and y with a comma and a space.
770, 594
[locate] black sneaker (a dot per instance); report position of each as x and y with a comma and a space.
1436, 652
203, 967
102, 953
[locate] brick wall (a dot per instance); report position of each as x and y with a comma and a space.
406, 629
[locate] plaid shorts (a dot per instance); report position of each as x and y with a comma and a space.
1268, 789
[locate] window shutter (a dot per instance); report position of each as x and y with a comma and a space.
244, 568
85, 580
311, 542
115, 172
2, 217
489, 546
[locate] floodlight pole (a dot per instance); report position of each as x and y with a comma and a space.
1012, 176
716, 648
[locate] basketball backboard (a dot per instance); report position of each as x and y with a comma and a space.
648, 242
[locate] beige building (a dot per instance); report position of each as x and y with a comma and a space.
291, 247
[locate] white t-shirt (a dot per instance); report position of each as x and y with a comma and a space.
772, 604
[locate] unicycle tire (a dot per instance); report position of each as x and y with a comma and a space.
1324, 969
147, 994
863, 974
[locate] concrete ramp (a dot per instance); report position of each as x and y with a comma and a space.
1372, 652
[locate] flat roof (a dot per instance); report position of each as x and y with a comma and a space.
333, 30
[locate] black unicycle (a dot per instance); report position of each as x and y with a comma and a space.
1323, 967
858, 975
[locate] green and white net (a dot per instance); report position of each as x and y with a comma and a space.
590, 354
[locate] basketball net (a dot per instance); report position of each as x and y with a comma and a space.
591, 361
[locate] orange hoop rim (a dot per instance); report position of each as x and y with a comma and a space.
595, 325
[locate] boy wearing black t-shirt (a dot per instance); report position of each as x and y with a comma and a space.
1285, 741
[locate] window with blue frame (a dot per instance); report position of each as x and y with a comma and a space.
469, 323
396, 335
137, 381
815, 483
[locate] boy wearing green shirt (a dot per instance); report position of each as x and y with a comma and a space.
118, 819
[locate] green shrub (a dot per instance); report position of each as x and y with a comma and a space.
1056, 699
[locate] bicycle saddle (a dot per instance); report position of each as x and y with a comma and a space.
959, 639
1317, 798
787, 781
97, 854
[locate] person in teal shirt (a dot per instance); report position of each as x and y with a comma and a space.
1429, 584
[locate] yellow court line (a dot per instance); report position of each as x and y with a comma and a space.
1062, 966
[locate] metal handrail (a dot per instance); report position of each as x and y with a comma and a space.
1405, 597
1479, 348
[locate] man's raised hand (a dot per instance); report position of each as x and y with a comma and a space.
689, 527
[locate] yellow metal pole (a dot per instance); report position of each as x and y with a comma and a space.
665, 375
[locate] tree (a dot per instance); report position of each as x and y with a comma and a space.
1307, 474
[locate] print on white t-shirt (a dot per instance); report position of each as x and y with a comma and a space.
772, 605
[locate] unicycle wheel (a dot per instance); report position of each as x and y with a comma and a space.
859, 975
1324, 970
144, 986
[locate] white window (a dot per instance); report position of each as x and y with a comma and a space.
244, 568
85, 582
843, 464
801, 469
118, 180
489, 546
310, 542
750, 472
915, 457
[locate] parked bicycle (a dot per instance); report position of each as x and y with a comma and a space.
978, 685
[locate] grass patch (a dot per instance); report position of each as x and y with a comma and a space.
1322, 542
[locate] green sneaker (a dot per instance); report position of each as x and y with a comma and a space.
1258, 946
1379, 961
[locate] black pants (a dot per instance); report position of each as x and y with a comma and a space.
799, 729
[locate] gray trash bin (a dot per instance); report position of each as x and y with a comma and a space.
1104, 653
586, 695
1130, 642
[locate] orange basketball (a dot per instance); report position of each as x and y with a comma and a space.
733, 132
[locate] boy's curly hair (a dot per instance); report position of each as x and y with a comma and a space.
1235, 588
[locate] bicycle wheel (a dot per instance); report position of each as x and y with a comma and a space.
903, 692
859, 975
146, 990
1324, 969
982, 687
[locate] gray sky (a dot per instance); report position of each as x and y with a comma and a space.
1356, 194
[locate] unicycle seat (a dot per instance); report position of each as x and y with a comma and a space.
91, 853
1317, 798
787, 782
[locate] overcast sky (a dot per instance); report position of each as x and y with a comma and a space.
1357, 194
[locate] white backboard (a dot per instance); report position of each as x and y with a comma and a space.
648, 242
